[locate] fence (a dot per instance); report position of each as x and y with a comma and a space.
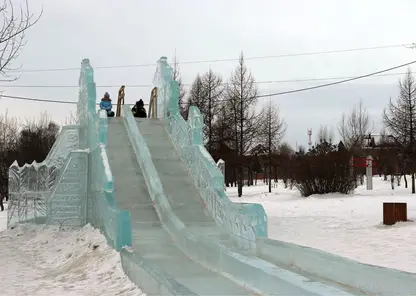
29, 188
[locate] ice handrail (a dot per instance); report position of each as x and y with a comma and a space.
102, 211
245, 221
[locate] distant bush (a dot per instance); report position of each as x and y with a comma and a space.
324, 169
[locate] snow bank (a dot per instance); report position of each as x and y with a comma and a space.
345, 225
39, 260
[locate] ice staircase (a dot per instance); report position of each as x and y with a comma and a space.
152, 189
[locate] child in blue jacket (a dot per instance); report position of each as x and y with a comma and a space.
106, 105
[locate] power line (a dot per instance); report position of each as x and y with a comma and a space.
259, 96
189, 84
336, 82
37, 100
226, 59
46, 100
76, 86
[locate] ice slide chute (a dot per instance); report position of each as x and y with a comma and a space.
150, 185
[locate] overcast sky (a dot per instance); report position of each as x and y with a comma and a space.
133, 32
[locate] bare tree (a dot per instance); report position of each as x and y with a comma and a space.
177, 77
205, 93
16, 21
36, 138
242, 99
25, 143
325, 134
71, 119
400, 120
8, 144
196, 95
212, 92
271, 133
222, 128
354, 126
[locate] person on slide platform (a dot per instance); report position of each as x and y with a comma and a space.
139, 110
106, 105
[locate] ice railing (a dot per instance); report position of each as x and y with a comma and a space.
29, 189
31, 185
102, 211
245, 221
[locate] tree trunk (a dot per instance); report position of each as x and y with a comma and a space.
240, 185
209, 120
240, 181
249, 176
270, 176
392, 181
275, 174
413, 183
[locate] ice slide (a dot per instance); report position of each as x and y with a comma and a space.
173, 228
155, 244
150, 240
155, 193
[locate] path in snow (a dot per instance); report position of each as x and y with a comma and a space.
349, 226
38, 260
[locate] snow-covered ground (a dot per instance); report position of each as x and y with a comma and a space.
346, 225
39, 260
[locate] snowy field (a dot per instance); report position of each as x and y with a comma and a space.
346, 225
39, 260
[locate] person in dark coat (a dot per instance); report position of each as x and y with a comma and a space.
139, 110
